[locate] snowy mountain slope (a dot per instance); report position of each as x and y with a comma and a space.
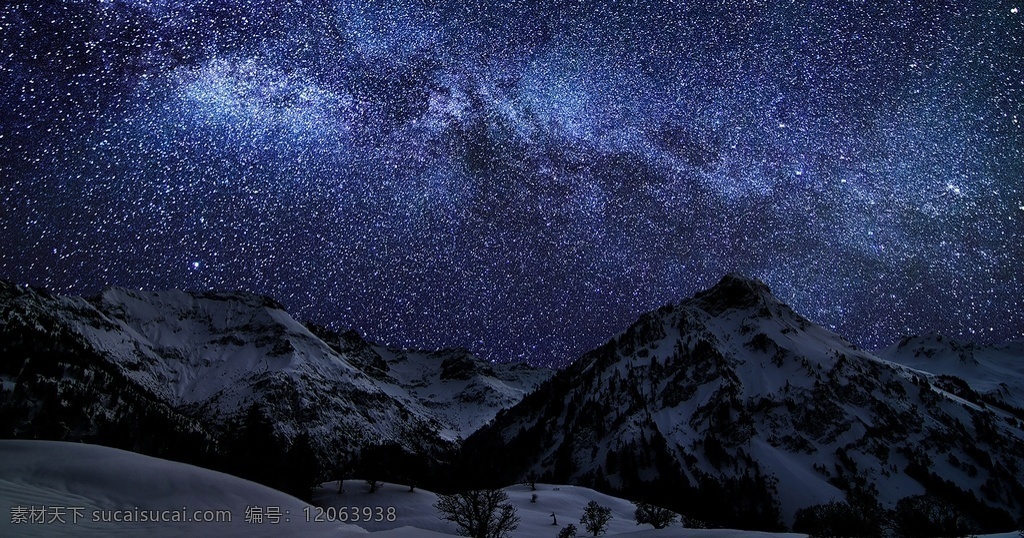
219, 354
57, 476
458, 389
739, 409
197, 348
462, 391
55, 386
214, 356
996, 372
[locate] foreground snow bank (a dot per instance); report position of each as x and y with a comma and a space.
102, 491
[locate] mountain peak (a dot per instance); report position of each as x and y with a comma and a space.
734, 291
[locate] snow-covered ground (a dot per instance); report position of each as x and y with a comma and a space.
53, 475
61, 477
415, 511
58, 478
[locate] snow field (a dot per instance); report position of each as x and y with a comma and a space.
59, 474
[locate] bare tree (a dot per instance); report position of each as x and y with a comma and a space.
567, 532
373, 485
596, 517
481, 513
655, 515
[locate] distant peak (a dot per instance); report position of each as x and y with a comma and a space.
734, 291
116, 294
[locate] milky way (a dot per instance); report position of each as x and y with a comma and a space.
523, 179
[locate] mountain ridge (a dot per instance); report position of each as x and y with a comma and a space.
216, 358
730, 397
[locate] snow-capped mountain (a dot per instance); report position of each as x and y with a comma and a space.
211, 358
732, 408
458, 389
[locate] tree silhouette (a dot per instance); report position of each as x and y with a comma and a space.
596, 517
481, 513
655, 515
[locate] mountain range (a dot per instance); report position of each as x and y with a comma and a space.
728, 407
178, 375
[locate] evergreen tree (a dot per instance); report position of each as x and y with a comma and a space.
837, 519
303, 468
923, 516
255, 451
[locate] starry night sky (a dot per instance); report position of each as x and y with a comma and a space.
523, 178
